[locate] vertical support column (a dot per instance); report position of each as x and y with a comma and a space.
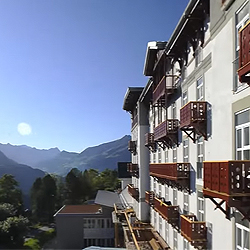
143, 161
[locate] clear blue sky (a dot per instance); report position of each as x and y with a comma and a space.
65, 66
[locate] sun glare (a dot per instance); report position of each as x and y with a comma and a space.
24, 128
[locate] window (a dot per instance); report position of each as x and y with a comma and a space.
175, 240
159, 114
185, 203
108, 223
166, 155
201, 206
167, 193
200, 157
155, 219
159, 155
160, 225
185, 150
185, 244
200, 89
174, 114
241, 18
89, 223
102, 223
242, 135
154, 157
160, 186
184, 98
241, 233
175, 153
175, 197
167, 232
154, 181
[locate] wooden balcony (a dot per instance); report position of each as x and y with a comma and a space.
150, 142
173, 174
166, 133
132, 147
230, 182
134, 192
133, 169
244, 54
166, 86
149, 197
193, 119
194, 231
170, 213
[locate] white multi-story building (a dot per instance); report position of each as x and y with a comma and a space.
190, 130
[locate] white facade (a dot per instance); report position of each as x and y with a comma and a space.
211, 76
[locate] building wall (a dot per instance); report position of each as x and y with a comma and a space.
74, 231
218, 73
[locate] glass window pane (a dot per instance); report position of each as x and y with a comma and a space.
246, 239
242, 118
238, 155
238, 138
246, 136
247, 154
238, 236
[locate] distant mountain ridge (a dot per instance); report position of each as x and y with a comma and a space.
99, 157
28, 155
53, 160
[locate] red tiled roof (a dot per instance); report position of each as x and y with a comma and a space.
80, 209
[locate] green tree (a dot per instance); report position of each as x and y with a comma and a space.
49, 196
37, 199
6, 210
12, 230
43, 198
10, 192
74, 187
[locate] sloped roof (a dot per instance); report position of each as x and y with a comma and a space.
131, 98
80, 209
106, 198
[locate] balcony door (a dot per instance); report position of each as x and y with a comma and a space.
242, 135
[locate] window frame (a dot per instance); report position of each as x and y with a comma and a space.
241, 127
200, 206
238, 86
243, 230
200, 85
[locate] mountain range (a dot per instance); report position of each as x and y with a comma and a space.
26, 163
58, 162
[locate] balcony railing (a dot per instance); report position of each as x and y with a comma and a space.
132, 147
230, 182
244, 54
164, 87
228, 177
168, 212
171, 171
193, 119
149, 197
133, 169
150, 142
194, 231
177, 173
149, 139
166, 129
134, 192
